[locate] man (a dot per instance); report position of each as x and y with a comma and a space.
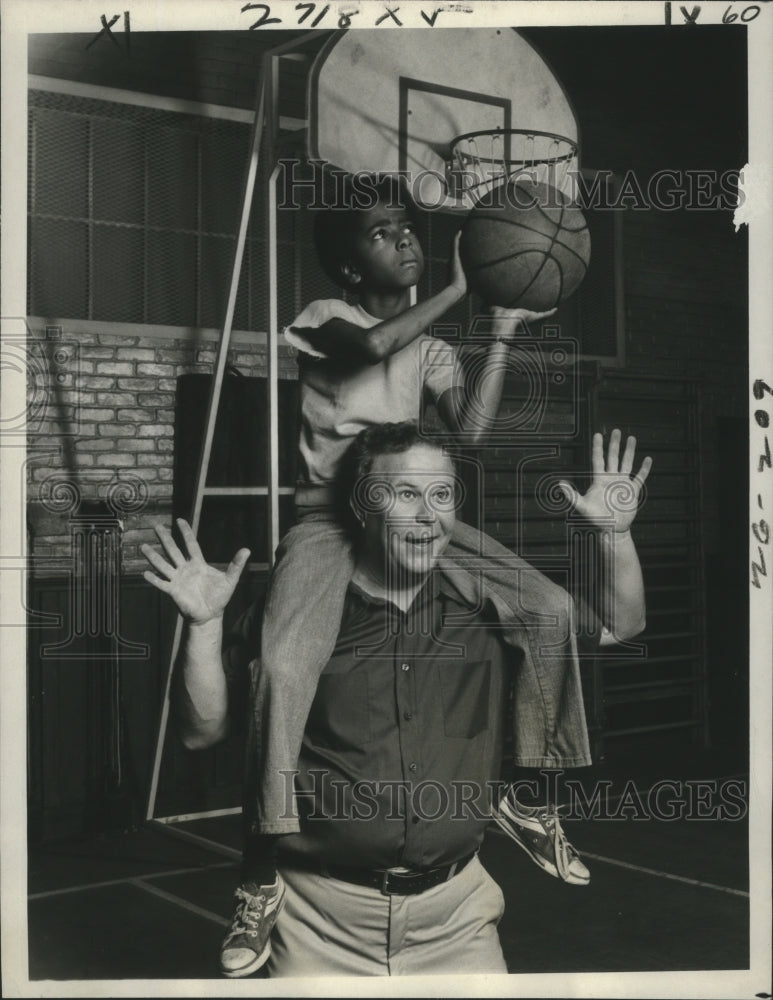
403, 742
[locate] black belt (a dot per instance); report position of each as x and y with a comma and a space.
397, 883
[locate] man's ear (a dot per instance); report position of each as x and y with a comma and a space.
351, 273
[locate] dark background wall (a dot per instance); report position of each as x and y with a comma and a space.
647, 99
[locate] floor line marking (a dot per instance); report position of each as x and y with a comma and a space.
646, 871
668, 875
179, 901
125, 881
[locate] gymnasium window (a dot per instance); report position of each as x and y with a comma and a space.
132, 214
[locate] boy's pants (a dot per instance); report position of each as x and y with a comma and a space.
302, 617
332, 928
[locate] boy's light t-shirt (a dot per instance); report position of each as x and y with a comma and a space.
337, 402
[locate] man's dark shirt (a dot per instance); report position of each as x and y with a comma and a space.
404, 738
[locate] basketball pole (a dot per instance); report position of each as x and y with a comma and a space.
272, 345
212, 406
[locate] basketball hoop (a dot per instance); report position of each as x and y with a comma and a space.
480, 161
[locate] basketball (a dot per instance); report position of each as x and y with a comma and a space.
524, 245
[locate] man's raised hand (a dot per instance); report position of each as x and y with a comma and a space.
200, 591
613, 496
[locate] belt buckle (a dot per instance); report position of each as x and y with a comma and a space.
385, 890
429, 875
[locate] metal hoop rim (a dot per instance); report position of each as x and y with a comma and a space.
539, 161
501, 165
513, 131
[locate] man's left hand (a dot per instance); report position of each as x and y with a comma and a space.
613, 495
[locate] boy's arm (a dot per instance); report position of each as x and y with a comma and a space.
340, 339
611, 504
471, 412
201, 593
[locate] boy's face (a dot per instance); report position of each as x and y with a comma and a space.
386, 255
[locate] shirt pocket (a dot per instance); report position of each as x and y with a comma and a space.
340, 715
464, 690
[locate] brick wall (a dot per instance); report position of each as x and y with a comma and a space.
108, 419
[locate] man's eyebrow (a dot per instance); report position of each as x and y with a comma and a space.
423, 484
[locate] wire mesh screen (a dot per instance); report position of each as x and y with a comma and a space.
133, 213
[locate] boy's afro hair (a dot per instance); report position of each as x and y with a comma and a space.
335, 225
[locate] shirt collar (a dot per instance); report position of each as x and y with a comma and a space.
437, 584
371, 320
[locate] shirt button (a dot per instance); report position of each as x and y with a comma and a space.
414, 819
411, 767
406, 666
408, 715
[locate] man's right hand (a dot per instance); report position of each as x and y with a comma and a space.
200, 591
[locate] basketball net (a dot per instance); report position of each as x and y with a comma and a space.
481, 161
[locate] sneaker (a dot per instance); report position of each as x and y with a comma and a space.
538, 831
247, 944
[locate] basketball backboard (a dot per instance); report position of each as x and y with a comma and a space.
384, 101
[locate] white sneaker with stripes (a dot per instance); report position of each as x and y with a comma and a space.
538, 831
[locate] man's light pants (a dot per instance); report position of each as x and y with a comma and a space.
333, 928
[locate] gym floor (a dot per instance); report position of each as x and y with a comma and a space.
663, 896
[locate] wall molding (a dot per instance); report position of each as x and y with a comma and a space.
72, 88
190, 334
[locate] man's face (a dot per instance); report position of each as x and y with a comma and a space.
409, 506
385, 252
